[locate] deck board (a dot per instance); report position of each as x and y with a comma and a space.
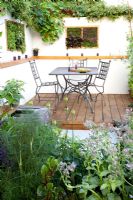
114, 106
114, 109
106, 110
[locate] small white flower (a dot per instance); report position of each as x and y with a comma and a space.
129, 166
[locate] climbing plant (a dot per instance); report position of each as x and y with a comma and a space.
47, 21
46, 17
2, 8
15, 36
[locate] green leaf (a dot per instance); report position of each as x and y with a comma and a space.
40, 191
92, 197
103, 186
113, 196
93, 182
50, 186
115, 184
104, 173
44, 170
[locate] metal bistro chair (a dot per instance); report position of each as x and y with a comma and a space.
78, 63
99, 80
38, 81
74, 81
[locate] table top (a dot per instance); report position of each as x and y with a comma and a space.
64, 71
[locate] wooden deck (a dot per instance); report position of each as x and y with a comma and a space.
113, 109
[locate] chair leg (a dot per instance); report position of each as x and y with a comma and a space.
102, 100
37, 93
88, 102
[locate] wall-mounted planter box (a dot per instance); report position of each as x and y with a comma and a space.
82, 37
15, 36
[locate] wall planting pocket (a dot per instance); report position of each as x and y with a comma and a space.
15, 36
82, 37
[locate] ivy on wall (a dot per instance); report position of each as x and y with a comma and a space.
2, 8
15, 36
46, 17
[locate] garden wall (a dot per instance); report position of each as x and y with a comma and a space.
112, 40
116, 82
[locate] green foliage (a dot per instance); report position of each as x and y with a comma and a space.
12, 91
20, 9
94, 168
47, 21
2, 8
100, 10
130, 58
74, 32
48, 191
46, 17
15, 36
28, 144
91, 169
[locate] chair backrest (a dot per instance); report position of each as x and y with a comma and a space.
78, 63
83, 63
103, 69
35, 73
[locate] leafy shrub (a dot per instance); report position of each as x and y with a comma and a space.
96, 168
92, 169
28, 144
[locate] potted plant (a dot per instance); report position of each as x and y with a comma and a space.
35, 52
11, 92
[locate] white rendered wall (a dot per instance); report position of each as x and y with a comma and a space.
112, 38
20, 72
117, 81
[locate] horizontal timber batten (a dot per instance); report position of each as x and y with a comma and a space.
17, 62
13, 63
77, 57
